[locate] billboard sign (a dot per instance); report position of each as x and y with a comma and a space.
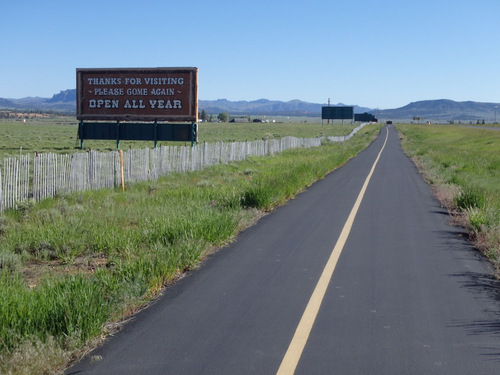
365, 117
337, 113
137, 94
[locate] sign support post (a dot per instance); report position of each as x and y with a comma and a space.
156, 133
117, 135
80, 134
194, 133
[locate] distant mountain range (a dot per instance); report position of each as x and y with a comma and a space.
267, 107
426, 110
65, 102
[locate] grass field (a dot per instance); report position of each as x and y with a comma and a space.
73, 265
60, 135
463, 166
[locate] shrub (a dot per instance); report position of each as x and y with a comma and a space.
9, 262
470, 197
478, 218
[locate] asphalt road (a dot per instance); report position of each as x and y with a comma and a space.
408, 294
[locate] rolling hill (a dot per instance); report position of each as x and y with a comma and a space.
443, 110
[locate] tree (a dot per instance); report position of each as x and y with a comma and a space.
223, 117
203, 116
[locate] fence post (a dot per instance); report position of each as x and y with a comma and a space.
1, 192
123, 174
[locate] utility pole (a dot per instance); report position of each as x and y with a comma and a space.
328, 120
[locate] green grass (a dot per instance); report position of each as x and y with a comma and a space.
464, 164
71, 265
212, 132
59, 135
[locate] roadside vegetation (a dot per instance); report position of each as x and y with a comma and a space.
463, 167
72, 268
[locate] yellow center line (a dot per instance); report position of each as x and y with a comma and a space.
299, 340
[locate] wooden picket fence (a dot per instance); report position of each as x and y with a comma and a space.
46, 175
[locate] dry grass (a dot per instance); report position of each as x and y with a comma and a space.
36, 358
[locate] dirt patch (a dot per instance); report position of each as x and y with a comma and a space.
35, 271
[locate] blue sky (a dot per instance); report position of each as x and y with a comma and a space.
377, 54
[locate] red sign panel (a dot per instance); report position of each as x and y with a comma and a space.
143, 94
